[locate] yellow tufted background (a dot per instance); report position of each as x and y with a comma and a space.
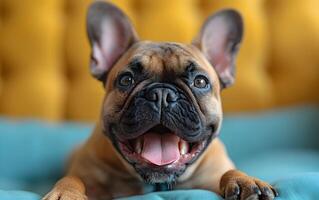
44, 53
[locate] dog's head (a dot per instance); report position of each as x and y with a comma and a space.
162, 106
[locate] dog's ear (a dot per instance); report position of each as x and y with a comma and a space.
219, 41
110, 34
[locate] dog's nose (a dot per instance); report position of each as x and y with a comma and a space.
163, 95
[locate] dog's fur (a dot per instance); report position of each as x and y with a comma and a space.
100, 169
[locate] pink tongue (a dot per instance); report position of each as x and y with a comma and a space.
160, 149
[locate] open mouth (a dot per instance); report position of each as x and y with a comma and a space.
160, 147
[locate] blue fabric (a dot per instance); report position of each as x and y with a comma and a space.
33, 153
301, 187
298, 187
176, 195
273, 146
18, 195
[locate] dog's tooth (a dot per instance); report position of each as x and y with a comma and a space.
183, 147
138, 146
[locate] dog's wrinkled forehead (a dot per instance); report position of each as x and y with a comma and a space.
166, 58
163, 57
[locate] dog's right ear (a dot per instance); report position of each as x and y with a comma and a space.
110, 34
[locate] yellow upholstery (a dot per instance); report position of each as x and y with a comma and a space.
294, 50
44, 52
32, 72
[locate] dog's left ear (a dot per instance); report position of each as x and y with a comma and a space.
110, 34
219, 41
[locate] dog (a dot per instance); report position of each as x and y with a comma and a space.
161, 114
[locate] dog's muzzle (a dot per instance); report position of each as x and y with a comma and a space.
161, 131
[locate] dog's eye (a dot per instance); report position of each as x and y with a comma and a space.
200, 81
126, 80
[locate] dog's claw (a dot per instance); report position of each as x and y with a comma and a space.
232, 191
275, 192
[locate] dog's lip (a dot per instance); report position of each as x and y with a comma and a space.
158, 128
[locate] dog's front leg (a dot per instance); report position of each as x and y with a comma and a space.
237, 185
68, 188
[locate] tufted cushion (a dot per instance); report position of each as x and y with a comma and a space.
293, 60
44, 53
31, 43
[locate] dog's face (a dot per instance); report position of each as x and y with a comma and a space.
162, 106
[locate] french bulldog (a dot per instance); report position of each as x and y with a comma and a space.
161, 114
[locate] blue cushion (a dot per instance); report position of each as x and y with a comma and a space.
276, 144
176, 195
18, 195
301, 187
298, 187
270, 145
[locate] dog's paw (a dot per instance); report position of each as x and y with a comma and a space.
64, 194
236, 185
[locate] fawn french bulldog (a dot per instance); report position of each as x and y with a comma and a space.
161, 114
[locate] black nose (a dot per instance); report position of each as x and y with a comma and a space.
162, 95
